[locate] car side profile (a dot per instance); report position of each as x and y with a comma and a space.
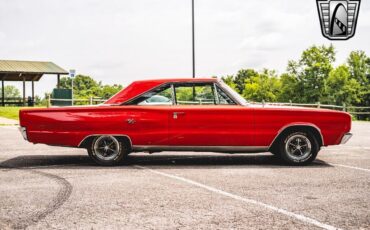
200, 115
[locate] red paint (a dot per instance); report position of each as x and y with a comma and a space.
203, 125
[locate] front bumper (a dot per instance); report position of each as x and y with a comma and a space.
23, 132
346, 138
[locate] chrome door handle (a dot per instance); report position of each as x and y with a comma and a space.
131, 121
175, 114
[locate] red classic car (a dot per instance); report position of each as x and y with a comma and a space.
186, 115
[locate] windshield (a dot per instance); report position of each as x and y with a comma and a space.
234, 94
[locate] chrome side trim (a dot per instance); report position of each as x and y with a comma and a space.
222, 149
102, 134
298, 124
346, 138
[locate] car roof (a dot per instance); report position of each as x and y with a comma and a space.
172, 80
139, 87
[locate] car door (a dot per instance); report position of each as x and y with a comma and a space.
204, 115
147, 118
147, 125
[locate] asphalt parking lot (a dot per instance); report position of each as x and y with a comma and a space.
61, 188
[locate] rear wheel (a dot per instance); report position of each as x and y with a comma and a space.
107, 150
298, 148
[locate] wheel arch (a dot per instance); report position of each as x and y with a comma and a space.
87, 141
298, 127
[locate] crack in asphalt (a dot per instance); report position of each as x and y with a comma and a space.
62, 196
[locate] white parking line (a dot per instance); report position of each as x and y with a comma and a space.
346, 147
351, 167
242, 199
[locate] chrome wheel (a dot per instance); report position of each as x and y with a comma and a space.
298, 147
106, 148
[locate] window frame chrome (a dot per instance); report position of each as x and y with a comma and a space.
217, 98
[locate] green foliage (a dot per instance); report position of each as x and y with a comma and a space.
311, 71
194, 94
107, 91
359, 66
359, 69
185, 94
264, 86
289, 89
11, 91
85, 87
241, 77
342, 88
310, 79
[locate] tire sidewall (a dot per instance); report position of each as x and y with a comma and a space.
309, 158
123, 152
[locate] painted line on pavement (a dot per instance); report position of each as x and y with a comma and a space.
242, 199
351, 167
336, 148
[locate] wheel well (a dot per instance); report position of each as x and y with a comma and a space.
314, 131
86, 143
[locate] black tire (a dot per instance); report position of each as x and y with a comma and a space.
298, 148
107, 150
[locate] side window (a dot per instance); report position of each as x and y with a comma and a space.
223, 98
195, 94
159, 96
186, 94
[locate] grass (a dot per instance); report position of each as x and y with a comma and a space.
11, 112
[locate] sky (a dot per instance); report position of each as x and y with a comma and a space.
120, 41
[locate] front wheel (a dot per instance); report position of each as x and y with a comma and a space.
298, 148
107, 150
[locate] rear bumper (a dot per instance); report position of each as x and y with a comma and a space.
23, 132
346, 138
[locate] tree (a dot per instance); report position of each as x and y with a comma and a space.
311, 71
359, 66
289, 89
107, 91
310, 79
11, 91
264, 86
241, 77
86, 86
342, 88
83, 86
359, 69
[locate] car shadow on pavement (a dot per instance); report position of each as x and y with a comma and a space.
177, 161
